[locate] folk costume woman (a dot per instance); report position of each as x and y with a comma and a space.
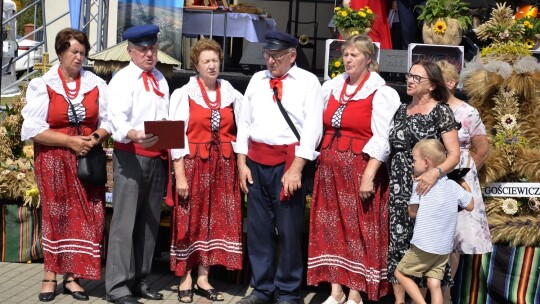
73, 212
207, 219
348, 239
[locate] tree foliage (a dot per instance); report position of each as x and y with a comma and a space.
27, 17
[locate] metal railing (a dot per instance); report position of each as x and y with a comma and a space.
40, 33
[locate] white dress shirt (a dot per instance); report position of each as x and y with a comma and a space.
261, 120
385, 104
36, 110
179, 107
131, 105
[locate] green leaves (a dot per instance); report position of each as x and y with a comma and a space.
454, 9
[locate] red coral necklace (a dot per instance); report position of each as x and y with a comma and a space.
69, 92
213, 105
348, 97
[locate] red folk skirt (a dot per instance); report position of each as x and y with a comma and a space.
348, 237
73, 214
207, 226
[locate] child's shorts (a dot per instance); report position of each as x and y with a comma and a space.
418, 263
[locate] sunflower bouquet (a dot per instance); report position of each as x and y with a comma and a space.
336, 67
437, 12
531, 30
360, 20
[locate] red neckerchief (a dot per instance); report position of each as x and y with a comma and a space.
276, 83
148, 77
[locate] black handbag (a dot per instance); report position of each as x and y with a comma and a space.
91, 168
308, 172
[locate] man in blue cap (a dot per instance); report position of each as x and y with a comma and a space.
140, 93
272, 153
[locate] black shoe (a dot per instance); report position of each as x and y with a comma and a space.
252, 299
77, 295
149, 294
183, 294
126, 300
211, 294
47, 296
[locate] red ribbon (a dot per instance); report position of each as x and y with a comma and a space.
277, 83
148, 77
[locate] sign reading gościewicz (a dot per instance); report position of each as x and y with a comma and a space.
512, 190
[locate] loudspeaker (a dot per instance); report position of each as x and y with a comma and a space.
253, 61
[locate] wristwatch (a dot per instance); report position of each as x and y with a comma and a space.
96, 136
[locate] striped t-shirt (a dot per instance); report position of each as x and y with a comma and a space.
437, 215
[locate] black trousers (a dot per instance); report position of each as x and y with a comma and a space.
274, 230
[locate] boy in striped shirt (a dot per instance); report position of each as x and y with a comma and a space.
436, 216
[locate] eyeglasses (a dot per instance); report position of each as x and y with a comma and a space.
416, 78
275, 57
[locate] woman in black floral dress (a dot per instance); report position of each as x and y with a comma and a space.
427, 116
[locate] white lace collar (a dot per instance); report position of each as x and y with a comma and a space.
373, 83
88, 81
228, 93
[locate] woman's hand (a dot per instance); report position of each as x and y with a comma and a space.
426, 181
182, 186
366, 188
80, 144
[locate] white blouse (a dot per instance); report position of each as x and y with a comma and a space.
179, 105
36, 110
385, 103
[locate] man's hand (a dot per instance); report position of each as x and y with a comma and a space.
244, 173
145, 140
292, 179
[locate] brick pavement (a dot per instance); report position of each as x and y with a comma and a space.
20, 283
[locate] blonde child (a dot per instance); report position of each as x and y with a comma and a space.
436, 216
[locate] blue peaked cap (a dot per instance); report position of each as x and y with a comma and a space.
279, 41
142, 35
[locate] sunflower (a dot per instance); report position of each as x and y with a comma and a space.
336, 67
440, 27
529, 43
344, 13
510, 206
355, 33
362, 14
